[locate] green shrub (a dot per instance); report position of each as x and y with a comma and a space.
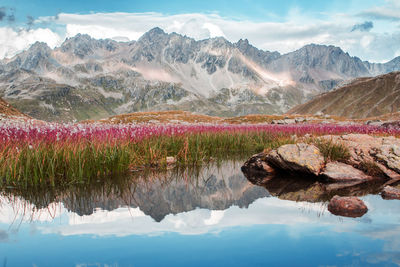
333, 151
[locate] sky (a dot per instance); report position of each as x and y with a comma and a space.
368, 29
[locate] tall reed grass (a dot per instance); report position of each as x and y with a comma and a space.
62, 154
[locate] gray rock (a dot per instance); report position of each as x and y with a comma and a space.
383, 151
341, 172
389, 155
303, 158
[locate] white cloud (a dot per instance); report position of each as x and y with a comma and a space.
297, 30
294, 31
390, 11
14, 41
126, 221
101, 32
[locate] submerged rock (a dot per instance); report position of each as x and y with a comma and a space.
341, 172
347, 206
303, 158
390, 192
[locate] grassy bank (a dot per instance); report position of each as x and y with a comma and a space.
55, 154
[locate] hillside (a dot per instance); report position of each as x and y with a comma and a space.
362, 98
86, 78
8, 111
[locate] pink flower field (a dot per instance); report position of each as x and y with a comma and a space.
60, 133
52, 154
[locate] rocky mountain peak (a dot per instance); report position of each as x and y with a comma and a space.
153, 35
317, 49
40, 47
78, 39
326, 57
83, 45
255, 54
242, 43
393, 64
34, 58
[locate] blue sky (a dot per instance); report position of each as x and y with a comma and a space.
369, 29
246, 9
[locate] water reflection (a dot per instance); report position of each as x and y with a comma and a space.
305, 188
214, 211
216, 187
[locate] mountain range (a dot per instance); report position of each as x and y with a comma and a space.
85, 78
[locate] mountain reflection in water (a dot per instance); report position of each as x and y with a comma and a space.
214, 211
155, 194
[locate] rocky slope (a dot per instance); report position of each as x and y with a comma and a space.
88, 78
362, 98
9, 112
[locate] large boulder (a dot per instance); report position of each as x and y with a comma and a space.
390, 192
359, 145
303, 158
341, 172
383, 151
389, 155
347, 206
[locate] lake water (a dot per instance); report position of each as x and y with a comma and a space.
208, 217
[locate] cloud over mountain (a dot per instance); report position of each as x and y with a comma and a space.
375, 40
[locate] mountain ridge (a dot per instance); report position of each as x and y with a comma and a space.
362, 98
86, 78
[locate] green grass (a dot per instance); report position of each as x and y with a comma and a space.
81, 162
333, 151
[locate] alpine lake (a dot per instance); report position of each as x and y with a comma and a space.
205, 216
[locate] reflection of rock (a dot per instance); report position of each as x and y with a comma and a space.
304, 188
341, 172
347, 206
297, 189
390, 192
300, 157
